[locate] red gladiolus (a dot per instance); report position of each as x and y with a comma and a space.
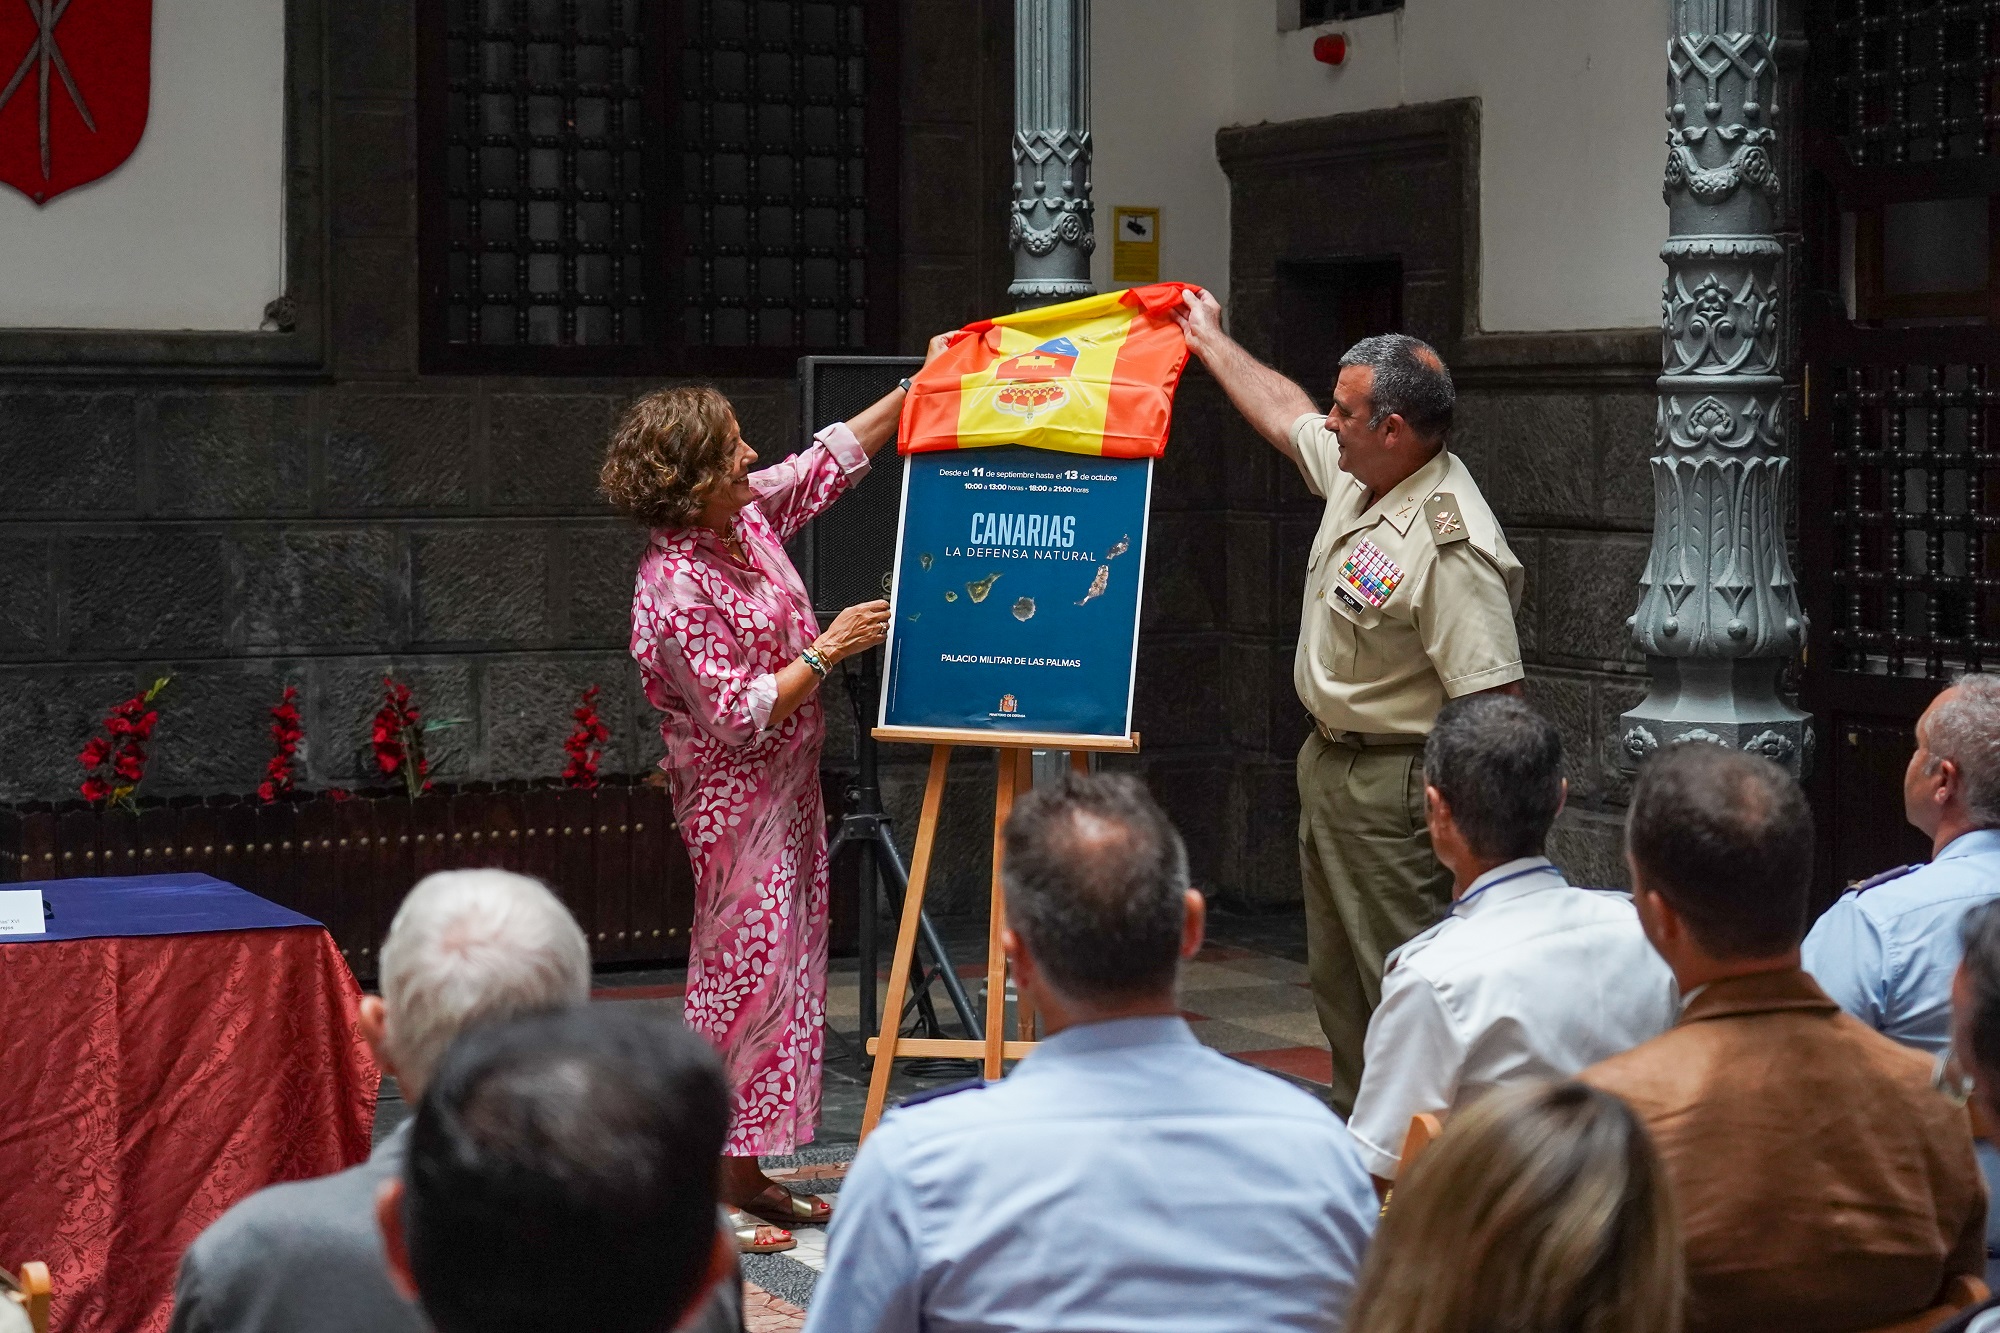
398, 738
286, 733
116, 761
584, 745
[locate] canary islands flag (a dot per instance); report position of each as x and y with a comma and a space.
1094, 376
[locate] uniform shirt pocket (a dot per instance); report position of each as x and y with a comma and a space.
1347, 619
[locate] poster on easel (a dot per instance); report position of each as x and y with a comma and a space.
1029, 450
1019, 578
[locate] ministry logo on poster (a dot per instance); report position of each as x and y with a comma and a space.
1009, 704
75, 84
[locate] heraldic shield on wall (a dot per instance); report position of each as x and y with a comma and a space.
76, 78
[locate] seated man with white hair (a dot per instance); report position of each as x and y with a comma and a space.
1887, 950
466, 946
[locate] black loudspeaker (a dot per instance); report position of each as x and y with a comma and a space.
845, 554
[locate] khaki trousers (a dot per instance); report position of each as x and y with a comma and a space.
1371, 883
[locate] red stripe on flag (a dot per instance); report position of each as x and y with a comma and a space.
1143, 378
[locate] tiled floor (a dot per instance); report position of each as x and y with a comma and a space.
1245, 995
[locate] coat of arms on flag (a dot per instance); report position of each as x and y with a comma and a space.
1038, 377
75, 83
1094, 376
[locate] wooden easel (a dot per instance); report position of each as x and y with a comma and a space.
1016, 776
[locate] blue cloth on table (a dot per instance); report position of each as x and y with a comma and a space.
186, 904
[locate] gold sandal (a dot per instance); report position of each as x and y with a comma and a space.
754, 1237
780, 1206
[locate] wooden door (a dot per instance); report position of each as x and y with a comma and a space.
1898, 463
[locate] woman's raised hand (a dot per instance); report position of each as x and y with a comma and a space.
854, 630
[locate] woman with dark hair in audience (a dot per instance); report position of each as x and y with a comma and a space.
1542, 1207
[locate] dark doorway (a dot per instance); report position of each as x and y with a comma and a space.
1899, 451
1325, 306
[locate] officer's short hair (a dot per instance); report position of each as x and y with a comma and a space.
1410, 380
1965, 728
1498, 764
1727, 839
584, 1142
1096, 878
1979, 932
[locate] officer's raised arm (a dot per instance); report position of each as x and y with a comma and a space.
1270, 402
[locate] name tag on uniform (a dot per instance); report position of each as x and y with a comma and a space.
1372, 575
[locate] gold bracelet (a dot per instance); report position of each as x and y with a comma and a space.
811, 657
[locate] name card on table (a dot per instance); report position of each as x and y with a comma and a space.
21, 912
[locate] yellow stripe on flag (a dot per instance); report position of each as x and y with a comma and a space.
990, 410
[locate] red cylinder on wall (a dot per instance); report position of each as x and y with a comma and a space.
1330, 49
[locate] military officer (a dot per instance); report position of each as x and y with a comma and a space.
1409, 601
1886, 951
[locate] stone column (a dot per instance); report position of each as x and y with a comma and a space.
1718, 615
1050, 227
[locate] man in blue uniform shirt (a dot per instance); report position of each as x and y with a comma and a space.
1124, 1176
1887, 950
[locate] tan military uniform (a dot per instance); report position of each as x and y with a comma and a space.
1409, 601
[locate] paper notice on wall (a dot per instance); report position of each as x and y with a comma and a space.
1135, 246
21, 912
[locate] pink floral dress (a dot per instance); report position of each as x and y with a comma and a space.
709, 636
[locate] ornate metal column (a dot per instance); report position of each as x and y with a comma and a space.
1719, 615
1050, 228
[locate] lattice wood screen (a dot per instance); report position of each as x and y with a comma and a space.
1914, 79
548, 210
1917, 494
773, 135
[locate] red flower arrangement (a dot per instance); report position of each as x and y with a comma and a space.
398, 737
116, 761
585, 745
286, 733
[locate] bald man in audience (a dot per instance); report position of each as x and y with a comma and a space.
1823, 1183
466, 947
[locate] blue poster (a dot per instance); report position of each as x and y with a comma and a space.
1016, 600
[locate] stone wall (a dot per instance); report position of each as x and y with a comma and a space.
319, 527
1558, 430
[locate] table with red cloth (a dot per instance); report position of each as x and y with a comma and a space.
170, 1045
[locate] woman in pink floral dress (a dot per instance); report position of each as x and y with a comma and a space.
731, 655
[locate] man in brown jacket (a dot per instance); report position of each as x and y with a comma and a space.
1823, 1184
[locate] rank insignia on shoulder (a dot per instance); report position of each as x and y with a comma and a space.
1447, 523
932, 1094
1876, 881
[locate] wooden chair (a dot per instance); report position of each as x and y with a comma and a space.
30, 1291
1423, 1129
1963, 1292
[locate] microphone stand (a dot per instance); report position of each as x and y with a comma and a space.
867, 827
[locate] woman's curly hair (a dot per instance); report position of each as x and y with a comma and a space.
671, 449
